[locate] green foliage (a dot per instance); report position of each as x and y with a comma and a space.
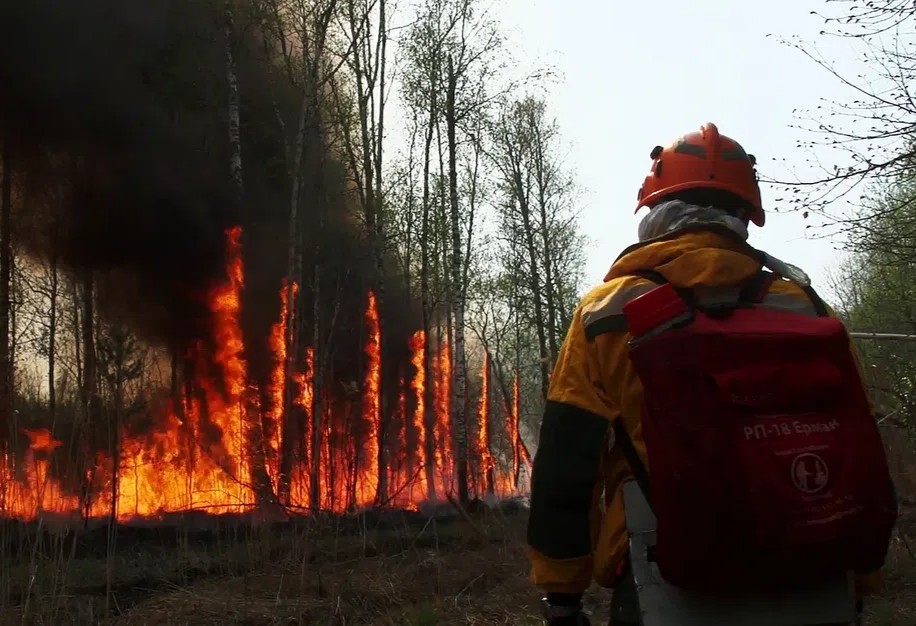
878, 294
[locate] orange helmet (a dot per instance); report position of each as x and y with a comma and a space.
703, 160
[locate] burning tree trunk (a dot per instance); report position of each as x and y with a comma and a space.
484, 458
176, 392
515, 430
286, 423
379, 239
423, 45
460, 380
7, 415
315, 499
425, 233
313, 40
371, 403
367, 61
88, 394
255, 434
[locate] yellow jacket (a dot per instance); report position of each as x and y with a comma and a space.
574, 534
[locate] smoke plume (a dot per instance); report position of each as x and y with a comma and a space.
116, 121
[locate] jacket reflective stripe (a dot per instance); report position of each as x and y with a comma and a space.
606, 315
789, 302
612, 304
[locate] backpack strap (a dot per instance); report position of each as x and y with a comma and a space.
757, 288
819, 307
797, 276
640, 473
659, 279
652, 275
752, 292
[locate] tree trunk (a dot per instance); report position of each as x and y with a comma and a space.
516, 388
460, 379
7, 415
88, 394
428, 400
114, 453
235, 141
289, 429
368, 67
379, 238
534, 282
546, 241
52, 338
549, 296
252, 435
318, 376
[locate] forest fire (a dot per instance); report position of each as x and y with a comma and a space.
222, 449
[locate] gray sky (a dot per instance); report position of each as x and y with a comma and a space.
637, 74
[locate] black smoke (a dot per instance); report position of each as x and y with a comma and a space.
115, 114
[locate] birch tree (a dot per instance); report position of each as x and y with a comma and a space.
540, 233
365, 24
473, 51
308, 27
422, 76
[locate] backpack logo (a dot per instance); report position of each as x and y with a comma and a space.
809, 473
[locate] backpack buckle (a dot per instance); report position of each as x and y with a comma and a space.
656, 311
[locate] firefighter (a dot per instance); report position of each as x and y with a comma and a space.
702, 193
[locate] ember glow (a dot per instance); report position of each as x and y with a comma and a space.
221, 449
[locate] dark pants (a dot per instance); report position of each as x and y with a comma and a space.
625, 601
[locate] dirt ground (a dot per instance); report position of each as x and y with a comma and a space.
327, 572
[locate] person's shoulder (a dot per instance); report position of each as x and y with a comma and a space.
601, 308
788, 294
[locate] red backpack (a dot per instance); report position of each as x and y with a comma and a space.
767, 466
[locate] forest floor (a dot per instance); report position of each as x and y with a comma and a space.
396, 570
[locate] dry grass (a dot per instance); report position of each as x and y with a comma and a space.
448, 572
436, 575
444, 572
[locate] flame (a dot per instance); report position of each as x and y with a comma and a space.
442, 429
41, 440
520, 449
512, 417
217, 448
418, 386
302, 472
368, 481
484, 460
276, 388
400, 470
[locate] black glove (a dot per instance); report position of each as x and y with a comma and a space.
562, 609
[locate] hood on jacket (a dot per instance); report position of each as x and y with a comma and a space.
677, 214
694, 245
